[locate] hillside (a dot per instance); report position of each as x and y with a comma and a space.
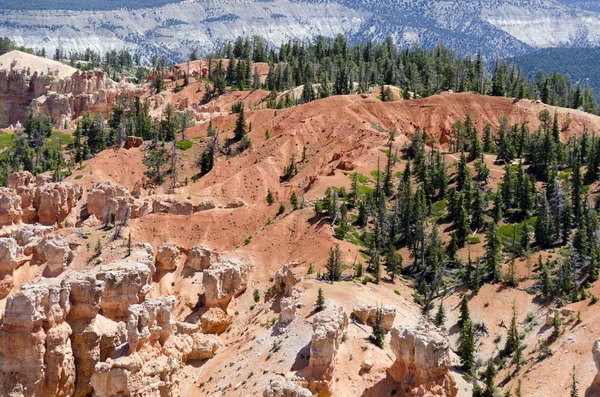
135, 270
579, 63
165, 28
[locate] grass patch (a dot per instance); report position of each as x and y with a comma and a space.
6, 140
361, 178
439, 208
473, 240
61, 138
199, 138
378, 127
362, 189
78, 177
184, 145
381, 174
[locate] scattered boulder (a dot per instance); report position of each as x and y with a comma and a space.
235, 203
223, 281
365, 314
346, 165
422, 360
133, 141
215, 321
198, 258
285, 278
204, 205
280, 387
91, 221
367, 364
563, 313
166, 257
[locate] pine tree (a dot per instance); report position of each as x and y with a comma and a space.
294, 201
334, 264
378, 332
393, 263
466, 346
462, 224
320, 305
488, 141
492, 252
556, 323
270, 197
488, 379
464, 310
574, 391
440, 315
513, 341
240, 130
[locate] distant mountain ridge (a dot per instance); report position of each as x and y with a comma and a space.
497, 28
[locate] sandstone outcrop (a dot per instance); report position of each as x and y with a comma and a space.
288, 308
366, 315
126, 284
8, 255
422, 361
106, 197
29, 236
155, 353
223, 281
56, 252
36, 357
166, 257
31, 200
285, 278
328, 329
198, 258
55, 89
596, 355
215, 321
280, 387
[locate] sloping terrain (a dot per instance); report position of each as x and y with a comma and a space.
205, 288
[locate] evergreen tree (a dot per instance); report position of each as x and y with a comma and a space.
378, 332
334, 264
488, 141
464, 310
488, 379
492, 252
466, 346
240, 126
574, 391
393, 263
320, 305
440, 315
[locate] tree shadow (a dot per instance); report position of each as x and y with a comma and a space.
385, 387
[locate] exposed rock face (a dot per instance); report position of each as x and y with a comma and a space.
198, 258
106, 197
31, 200
56, 252
288, 311
366, 315
328, 328
58, 90
29, 236
36, 357
126, 284
215, 321
286, 279
155, 353
10, 207
223, 281
422, 361
279, 387
166, 257
596, 355
8, 255
133, 141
